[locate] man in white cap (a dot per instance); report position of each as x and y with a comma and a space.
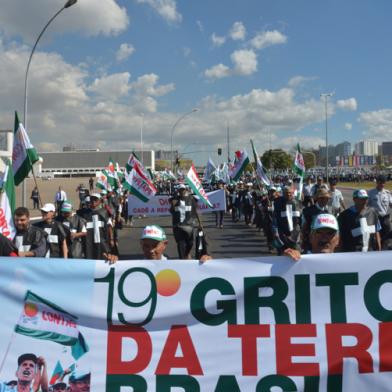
76, 231
324, 237
359, 225
99, 238
56, 235
154, 243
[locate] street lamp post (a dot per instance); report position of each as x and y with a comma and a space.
141, 137
172, 132
326, 96
68, 4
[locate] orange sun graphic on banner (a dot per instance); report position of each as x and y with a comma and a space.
30, 310
168, 282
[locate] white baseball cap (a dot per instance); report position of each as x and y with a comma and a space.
48, 207
96, 195
153, 232
325, 221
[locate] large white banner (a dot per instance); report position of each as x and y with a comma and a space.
263, 324
159, 205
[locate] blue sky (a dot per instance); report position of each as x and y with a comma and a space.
258, 66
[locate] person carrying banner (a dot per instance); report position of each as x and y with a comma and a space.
324, 237
359, 225
153, 242
183, 209
56, 235
286, 221
31, 375
29, 240
309, 213
76, 231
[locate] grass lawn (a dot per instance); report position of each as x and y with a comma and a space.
362, 185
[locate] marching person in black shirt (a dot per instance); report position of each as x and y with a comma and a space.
29, 240
75, 228
359, 226
184, 210
56, 235
286, 221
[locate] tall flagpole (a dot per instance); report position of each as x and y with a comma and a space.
68, 4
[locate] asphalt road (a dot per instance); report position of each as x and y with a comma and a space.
234, 240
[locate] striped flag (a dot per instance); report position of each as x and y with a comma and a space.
42, 319
7, 203
299, 168
242, 160
140, 186
193, 181
57, 373
24, 154
260, 171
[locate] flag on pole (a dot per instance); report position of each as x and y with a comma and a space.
7, 203
133, 160
299, 168
193, 181
42, 319
111, 174
139, 185
242, 160
102, 182
57, 373
260, 171
209, 170
168, 174
24, 154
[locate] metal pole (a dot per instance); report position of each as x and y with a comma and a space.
172, 132
141, 138
68, 4
326, 96
228, 142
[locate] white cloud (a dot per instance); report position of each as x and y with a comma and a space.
347, 104
85, 16
378, 124
238, 31
348, 126
167, 9
245, 62
125, 50
268, 38
112, 86
298, 80
218, 71
148, 85
217, 40
200, 26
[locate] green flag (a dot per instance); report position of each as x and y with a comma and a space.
24, 154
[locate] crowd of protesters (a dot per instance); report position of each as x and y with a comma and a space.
284, 211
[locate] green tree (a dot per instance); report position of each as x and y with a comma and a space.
277, 159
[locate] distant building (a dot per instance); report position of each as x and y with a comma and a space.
343, 149
162, 155
366, 147
80, 162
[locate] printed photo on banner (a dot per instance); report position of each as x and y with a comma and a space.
45, 345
